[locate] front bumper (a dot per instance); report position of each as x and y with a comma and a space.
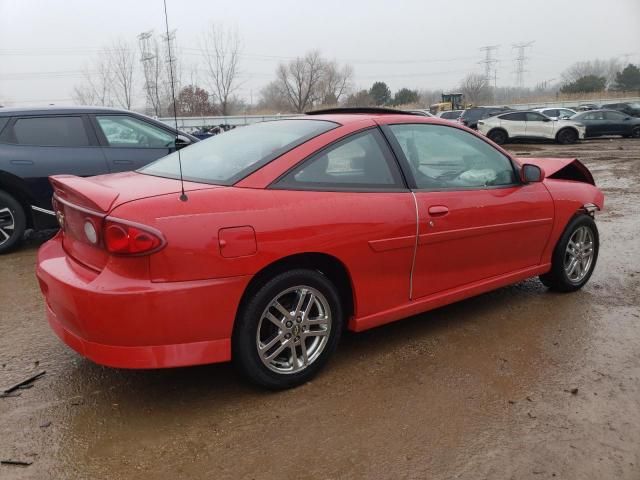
130, 323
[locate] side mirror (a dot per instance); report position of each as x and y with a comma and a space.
531, 173
546, 119
182, 141
627, 118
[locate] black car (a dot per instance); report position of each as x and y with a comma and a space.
83, 141
632, 109
608, 122
471, 116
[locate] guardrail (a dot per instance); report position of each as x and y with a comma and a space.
197, 122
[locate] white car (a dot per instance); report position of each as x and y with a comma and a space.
530, 124
556, 113
452, 115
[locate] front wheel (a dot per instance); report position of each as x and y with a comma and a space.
574, 257
288, 330
12, 222
498, 136
635, 132
567, 136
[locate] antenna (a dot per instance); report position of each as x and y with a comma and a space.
183, 196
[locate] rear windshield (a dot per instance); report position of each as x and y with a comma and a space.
229, 157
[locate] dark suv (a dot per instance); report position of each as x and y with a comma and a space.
471, 116
632, 109
37, 143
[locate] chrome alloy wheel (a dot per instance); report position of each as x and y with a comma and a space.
294, 329
578, 256
7, 224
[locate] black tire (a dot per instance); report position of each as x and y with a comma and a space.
498, 136
557, 278
13, 222
635, 132
567, 136
250, 327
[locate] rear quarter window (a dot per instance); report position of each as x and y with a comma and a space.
50, 131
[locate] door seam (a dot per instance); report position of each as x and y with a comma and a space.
415, 247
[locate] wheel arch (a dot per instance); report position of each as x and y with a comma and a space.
330, 266
16, 187
502, 129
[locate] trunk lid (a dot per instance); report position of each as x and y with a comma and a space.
79, 201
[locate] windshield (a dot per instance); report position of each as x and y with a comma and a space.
228, 157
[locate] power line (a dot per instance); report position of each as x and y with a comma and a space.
521, 60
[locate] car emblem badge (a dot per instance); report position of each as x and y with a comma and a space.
295, 330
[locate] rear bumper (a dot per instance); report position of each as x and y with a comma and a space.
130, 323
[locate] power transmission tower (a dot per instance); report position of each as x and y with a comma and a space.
521, 60
149, 61
489, 63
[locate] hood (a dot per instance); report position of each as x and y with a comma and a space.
561, 168
105, 192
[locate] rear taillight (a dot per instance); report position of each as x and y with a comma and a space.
125, 238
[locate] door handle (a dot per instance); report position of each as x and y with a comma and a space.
438, 210
123, 162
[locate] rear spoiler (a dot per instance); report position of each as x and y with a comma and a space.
83, 192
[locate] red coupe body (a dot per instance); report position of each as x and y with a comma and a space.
157, 282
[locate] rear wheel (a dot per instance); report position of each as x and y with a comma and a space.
288, 330
574, 257
12, 222
498, 136
567, 136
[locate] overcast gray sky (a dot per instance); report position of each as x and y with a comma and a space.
45, 45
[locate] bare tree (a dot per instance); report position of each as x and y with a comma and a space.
336, 82
221, 50
299, 80
121, 58
98, 84
271, 99
476, 89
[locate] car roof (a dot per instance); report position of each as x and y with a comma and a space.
58, 110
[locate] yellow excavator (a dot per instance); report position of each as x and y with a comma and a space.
450, 101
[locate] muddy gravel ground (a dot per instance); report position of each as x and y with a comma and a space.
518, 383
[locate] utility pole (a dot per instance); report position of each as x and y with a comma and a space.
489, 63
521, 60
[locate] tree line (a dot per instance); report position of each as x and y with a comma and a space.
120, 71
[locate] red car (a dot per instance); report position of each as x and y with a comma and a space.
292, 230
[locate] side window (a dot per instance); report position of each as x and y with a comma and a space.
359, 162
566, 113
3, 122
50, 132
614, 116
443, 157
552, 113
534, 117
126, 131
514, 117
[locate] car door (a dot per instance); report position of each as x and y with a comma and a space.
129, 142
369, 215
476, 220
616, 123
44, 145
514, 123
539, 125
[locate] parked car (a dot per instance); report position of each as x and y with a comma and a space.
609, 122
421, 112
450, 114
295, 229
470, 117
530, 124
583, 107
83, 141
556, 113
631, 109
